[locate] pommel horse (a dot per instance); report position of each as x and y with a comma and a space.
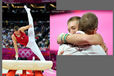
37, 66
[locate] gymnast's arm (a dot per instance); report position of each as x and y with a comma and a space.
25, 28
83, 39
15, 45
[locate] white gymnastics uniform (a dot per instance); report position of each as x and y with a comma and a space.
81, 50
31, 42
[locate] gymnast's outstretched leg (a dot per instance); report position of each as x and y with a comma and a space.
32, 44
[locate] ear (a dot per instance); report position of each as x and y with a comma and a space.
95, 30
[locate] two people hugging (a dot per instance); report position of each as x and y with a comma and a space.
82, 38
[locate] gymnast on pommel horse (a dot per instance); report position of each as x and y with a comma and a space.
28, 41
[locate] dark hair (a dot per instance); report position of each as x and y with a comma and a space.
16, 28
73, 18
88, 23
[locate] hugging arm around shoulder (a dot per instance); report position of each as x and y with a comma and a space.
84, 39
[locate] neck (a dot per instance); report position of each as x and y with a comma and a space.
17, 32
89, 32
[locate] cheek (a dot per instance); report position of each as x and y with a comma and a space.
72, 31
77, 29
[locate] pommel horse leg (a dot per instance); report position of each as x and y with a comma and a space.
24, 73
38, 73
12, 73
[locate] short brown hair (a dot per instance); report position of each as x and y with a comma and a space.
88, 23
73, 18
16, 28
